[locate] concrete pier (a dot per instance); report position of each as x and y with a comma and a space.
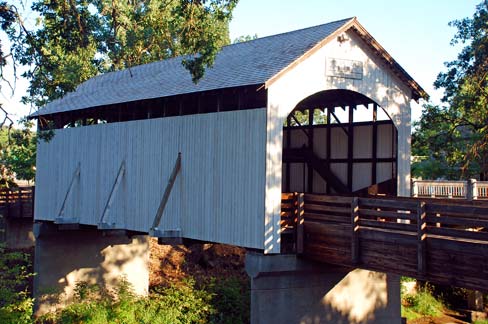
18, 233
285, 289
65, 257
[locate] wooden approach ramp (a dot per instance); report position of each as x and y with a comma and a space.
444, 242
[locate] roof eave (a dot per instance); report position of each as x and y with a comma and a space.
417, 91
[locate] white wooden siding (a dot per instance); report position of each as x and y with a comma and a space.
309, 77
218, 195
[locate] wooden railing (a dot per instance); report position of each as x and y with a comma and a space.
432, 240
17, 202
470, 189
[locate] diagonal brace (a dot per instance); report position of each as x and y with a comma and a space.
167, 192
76, 175
114, 189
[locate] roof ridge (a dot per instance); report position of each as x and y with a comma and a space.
230, 45
239, 64
291, 31
138, 66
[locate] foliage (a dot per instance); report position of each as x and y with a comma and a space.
302, 117
245, 38
215, 302
17, 154
465, 119
422, 303
8, 18
230, 298
15, 303
439, 148
452, 297
480, 322
76, 40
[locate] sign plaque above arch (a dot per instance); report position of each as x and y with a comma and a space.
342, 68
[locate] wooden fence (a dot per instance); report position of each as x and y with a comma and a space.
431, 240
17, 202
470, 189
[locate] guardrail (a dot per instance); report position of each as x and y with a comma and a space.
17, 202
470, 189
442, 241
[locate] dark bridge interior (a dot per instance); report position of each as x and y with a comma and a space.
339, 142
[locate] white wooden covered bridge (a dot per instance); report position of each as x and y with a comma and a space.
323, 111
112, 169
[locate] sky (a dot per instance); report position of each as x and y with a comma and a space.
414, 32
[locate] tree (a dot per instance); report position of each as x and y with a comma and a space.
17, 154
462, 125
439, 148
78, 39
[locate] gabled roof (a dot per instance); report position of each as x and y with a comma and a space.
255, 62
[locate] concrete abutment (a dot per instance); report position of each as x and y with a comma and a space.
64, 258
286, 289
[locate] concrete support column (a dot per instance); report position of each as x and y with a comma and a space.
65, 257
285, 289
18, 233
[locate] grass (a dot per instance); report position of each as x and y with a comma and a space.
422, 303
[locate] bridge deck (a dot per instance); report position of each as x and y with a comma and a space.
444, 242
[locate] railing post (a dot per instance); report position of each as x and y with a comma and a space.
471, 190
415, 189
300, 220
355, 231
421, 238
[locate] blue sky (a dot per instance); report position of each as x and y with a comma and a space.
414, 32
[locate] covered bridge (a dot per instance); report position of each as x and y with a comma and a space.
322, 110
118, 137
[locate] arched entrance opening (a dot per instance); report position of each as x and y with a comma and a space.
339, 142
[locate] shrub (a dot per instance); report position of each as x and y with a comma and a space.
218, 301
423, 303
15, 301
231, 301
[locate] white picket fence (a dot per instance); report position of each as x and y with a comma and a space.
470, 189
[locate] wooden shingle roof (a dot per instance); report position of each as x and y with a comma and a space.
249, 63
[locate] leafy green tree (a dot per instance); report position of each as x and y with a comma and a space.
17, 154
438, 147
78, 39
463, 122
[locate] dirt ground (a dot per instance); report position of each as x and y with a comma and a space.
445, 319
171, 263
449, 317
